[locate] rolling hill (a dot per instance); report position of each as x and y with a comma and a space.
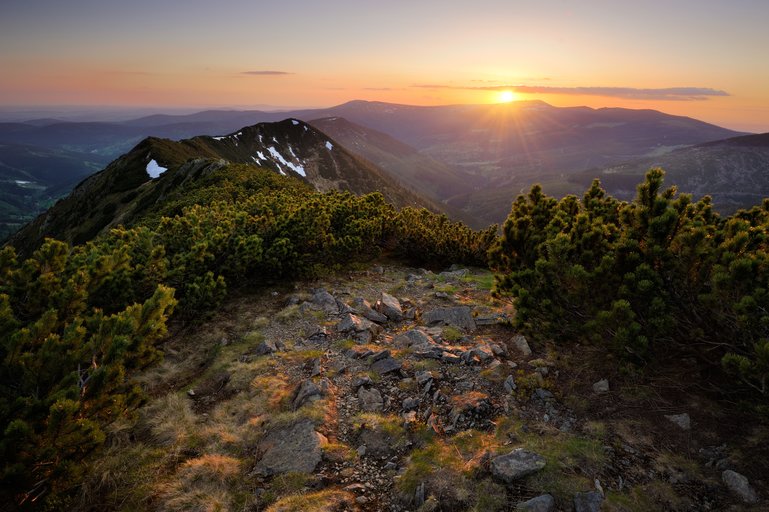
734, 172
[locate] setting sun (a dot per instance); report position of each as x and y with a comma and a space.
506, 96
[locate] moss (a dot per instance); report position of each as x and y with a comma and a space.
451, 334
483, 281
491, 497
344, 344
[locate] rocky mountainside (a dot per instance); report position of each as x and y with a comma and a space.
394, 388
143, 178
735, 172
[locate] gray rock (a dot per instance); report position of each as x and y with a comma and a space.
419, 495
370, 400
450, 358
491, 319
412, 337
600, 387
265, 347
390, 307
409, 404
522, 345
377, 442
296, 448
316, 367
354, 324
739, 486
510, 384
458, 316
344, 308
325, 301
454, 274
499, 350
306, 392
363, 380
378, 356
423, 377
362, 307
542, 395
483, 353
588, 501
543, 503
387, 365
681, 420
516, 464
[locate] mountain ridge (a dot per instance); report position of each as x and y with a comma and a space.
124, 189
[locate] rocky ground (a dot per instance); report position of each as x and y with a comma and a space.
401, 389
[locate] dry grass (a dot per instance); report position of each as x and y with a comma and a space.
204, 484
170, 421
329, 500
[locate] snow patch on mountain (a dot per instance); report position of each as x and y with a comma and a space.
299, 169
154, 170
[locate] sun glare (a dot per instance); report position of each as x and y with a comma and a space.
506, 96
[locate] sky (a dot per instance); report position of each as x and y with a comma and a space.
701, 58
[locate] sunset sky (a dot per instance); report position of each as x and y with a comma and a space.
702, 58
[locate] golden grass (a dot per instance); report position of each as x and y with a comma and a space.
203, 484
170, 420
328, 500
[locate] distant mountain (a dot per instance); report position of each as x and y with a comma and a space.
141, 179
734, 171
470, 157
429, 176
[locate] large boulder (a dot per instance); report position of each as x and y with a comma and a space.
370, 400
412, 337
386, 365
390, 307
361, 329
739, 486
515, 465
588, 501
307, 391
522, 345
362, 307
325, 301
294, 448
458, 316
543, 503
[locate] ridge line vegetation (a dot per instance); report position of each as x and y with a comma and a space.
657, 276
76, 323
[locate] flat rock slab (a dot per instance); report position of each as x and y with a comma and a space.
516, 464
459, 316
370, 400
295, 448
412, 337
588, 501
543, 503
739, 486
387, 365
